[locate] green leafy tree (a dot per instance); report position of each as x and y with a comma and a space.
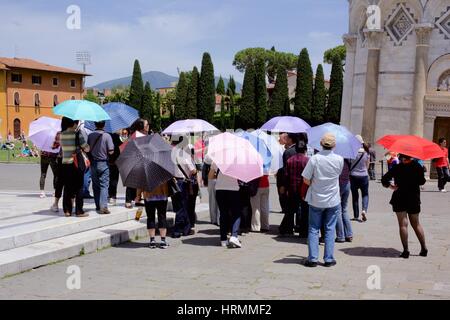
318, 109
181, 97
220, 86
304, 88
157, 113
272, 59
231, 88
136, 88
119, 95
260, 93
335, 92
287, 108
90, 96
207, 90
280, 95
147, 103
192, 96
339, 51
247, 111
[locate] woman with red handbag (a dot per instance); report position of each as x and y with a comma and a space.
73, 145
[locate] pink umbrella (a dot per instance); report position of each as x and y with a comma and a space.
42, 133
235, 157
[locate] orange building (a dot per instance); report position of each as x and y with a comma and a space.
30, 89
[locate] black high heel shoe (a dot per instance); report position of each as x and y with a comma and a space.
405, 255
423, 253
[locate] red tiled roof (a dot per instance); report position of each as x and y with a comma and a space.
3, 67
36, 65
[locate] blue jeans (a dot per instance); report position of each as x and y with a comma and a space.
100, 183
87, 182
343, 224
357, 183
319, 217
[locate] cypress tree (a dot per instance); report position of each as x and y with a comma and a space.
231, 88
157, 113
304, 89
220, 86
280, 94
207, 90
319, 98
181, 97
260, 93
223, 126
136, 88
335, 92
147, 103
192, 96
287, 108
232, 122
247, 112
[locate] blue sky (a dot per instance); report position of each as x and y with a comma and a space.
168, 34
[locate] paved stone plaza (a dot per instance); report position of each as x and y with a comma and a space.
267, 267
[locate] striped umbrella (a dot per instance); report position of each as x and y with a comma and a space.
122, 116
146, 162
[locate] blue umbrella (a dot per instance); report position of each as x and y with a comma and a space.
260, 146
347, 145
122, 116
286, 124
81, 110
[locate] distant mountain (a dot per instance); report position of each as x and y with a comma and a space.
157, 80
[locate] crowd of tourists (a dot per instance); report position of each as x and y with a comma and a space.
313, 188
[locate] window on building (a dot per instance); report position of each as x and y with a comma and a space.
37, 102
16, 77
55, 82
73, 83
16, 99
55, 100
36, 79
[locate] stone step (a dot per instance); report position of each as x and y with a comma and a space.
27, 257
25, 219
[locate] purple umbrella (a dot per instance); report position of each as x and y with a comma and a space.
286, 124
42, 133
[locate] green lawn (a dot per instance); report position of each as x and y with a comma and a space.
11, 155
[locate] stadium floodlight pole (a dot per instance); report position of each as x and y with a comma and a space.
83, 58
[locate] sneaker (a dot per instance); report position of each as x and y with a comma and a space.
112, 202
224, 243
42, 195
192, 231
163, 245
152, 244
340, 240
363, 216
234, 242
443, 190
349, 239
54, 208
128, 205
330, 263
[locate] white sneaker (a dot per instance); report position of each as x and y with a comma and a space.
443, 190
43, 195
224, 243
54, 208
234, 242
112, 202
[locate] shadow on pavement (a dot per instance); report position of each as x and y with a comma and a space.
210, 232
372, 252
292, 259
202, 241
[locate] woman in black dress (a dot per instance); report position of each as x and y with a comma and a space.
408, 177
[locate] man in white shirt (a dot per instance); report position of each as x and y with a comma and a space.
322, 175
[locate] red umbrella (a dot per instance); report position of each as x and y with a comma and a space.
412, 146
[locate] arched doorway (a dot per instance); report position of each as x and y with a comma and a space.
17, 129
